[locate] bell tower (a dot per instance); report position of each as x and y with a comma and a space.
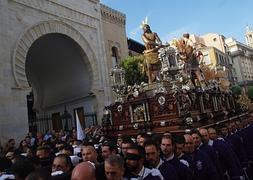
249, 36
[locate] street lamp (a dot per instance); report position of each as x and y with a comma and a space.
106, 118
66, 116
118, 82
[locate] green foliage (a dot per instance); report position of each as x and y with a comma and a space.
250, 92
133, 66
236, 89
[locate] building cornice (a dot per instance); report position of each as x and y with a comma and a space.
212, 48
232, 42
237, 53
94, 1
241, 53
112, 15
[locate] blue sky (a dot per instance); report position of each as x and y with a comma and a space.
171, 18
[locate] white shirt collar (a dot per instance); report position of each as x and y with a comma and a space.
141, 173
180, 155
144, 172
210, 142
201, 144
160, 163
169, 158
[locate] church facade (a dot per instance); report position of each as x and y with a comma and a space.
61, 52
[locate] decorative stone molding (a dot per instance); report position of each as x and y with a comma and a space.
62, 11
33, 33
112, 15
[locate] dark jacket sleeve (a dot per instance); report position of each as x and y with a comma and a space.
168, 171
100, 171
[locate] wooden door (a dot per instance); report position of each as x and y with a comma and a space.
57, 122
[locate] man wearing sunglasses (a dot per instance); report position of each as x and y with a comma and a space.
135, 165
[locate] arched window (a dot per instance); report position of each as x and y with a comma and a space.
115, 56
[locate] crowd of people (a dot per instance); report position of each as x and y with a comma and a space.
225, 153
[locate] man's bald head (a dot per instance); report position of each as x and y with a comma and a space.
84, 171
203, 131
204, 135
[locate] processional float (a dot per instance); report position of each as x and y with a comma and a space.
182, 92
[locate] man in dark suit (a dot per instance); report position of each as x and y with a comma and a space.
135, 165
209, 150
167, 147
229, 162
153, 159
199, 162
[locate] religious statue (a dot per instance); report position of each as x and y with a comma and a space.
139, 114
192, 59
152, 43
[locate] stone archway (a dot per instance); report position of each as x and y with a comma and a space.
58, 71
35, 35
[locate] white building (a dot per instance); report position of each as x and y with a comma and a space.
62, 51
215, 52
242, 59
